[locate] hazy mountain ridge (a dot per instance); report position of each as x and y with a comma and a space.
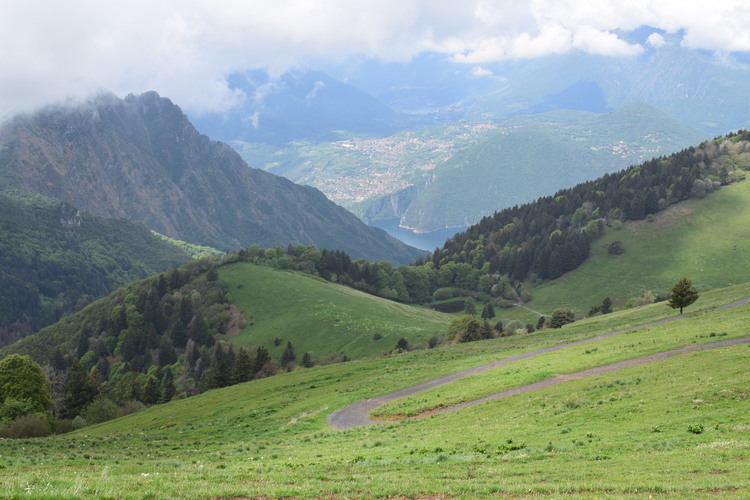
141, 158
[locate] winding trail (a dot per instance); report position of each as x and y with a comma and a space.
356, 414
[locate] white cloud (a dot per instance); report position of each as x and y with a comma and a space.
656, 40
594, 41
184, 49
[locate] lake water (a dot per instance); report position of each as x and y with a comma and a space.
424, 241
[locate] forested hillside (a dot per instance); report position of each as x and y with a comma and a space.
546, 238
54, 260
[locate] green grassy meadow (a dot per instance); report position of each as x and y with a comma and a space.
705, 240
321, 317
674, 428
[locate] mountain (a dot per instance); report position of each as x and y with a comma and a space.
701, 90
302, 105
55, 259
141, 158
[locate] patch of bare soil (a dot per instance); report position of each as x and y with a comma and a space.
236, 321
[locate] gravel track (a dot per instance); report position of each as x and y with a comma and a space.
356, 414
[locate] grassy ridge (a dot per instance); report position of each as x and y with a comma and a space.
676, 427
703, 239
321, 317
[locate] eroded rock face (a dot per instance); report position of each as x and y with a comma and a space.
70, 216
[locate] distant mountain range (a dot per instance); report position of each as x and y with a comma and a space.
567, 108
140, 158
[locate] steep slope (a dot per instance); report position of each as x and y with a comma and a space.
141, 158
54, 260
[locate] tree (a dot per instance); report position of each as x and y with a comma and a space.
22, 380
488, 312
262, 357
561, 317
606, 305
288, 356
81, 390
243, 365
151, 391
471, 332
402, 345
167, 389
486, 331
470, 308
683, 294
307, 360
540, 323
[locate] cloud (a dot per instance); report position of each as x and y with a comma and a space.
185, 49
656, 40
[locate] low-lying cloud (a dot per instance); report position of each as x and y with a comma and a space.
185, 49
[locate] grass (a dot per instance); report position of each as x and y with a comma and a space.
321, 317
705, 240
697, 328
674, 428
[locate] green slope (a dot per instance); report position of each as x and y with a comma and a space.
673, 428
324, 318
705, 240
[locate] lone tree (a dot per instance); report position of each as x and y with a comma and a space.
683, 294
23, 388
560, 317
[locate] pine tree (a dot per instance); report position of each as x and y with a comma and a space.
243, 366
488, 312
683, 294
288, 355
307, 360
151, 391
168, 388
261, 358
80, 390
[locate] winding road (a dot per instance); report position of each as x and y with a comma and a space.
356, 414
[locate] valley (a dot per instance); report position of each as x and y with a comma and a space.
336, 250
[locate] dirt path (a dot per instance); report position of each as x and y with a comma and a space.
356, 414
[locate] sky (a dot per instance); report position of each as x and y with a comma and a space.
184, 49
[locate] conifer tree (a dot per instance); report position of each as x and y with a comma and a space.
683, 294
288, 355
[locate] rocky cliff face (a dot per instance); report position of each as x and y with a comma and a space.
140, 158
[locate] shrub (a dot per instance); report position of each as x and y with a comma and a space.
79, 422
100, 410
27, 426
561, 317
615, 248
695, 428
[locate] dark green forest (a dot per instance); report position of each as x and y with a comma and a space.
55, 260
